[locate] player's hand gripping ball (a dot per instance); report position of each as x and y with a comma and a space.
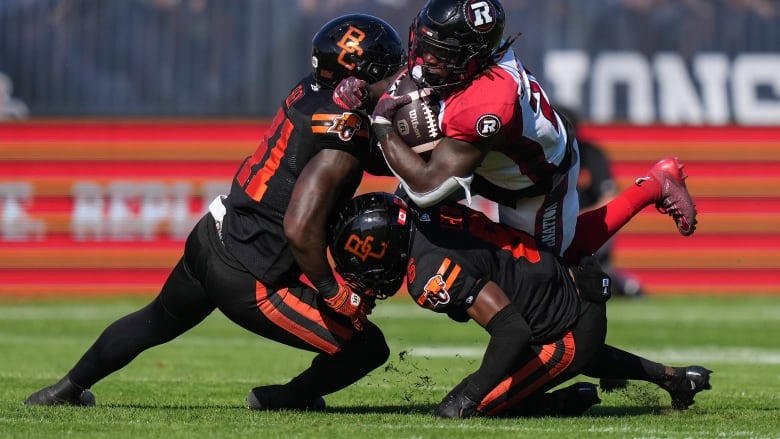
418, 121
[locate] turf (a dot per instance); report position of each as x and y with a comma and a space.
196, 386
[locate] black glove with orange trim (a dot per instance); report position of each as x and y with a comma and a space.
593, 283
341, 298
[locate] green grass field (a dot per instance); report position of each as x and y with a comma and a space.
196, 385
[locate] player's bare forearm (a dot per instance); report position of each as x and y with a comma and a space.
305, 223
451, 158
405, 163
329, 177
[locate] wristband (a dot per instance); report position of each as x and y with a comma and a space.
381, 127
327, 287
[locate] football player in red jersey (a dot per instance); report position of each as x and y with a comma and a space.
503, 139
252, 254
546, 318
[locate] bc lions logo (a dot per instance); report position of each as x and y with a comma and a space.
349, 44
364, 249
435, 293
345, 125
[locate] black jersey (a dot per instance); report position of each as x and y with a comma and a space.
457, 250
307, 122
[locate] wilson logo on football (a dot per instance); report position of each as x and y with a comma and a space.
349, 44
364, 249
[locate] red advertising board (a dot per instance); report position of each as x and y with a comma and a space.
103, 207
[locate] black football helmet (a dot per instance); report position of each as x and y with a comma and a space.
464, 35
369, 243
355, 45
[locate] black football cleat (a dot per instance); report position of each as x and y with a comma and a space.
686, 383
279, 397
573, 400
65, 392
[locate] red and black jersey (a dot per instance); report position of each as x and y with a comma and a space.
457, 250
507, 103
307, 122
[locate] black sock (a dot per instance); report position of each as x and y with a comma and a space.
614, 363
123, 340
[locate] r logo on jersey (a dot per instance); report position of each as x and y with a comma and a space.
488, 124
435, 293
480, 15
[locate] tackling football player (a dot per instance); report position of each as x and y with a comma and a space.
546, 318
259, 255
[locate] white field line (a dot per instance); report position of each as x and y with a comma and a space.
400, 311
705, 354
714, 354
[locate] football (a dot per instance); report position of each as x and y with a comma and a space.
418, 121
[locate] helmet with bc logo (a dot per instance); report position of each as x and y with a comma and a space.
463, 35
355, 45
369, 243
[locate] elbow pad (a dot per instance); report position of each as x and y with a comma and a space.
441, 192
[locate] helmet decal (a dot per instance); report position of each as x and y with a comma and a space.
355, 45
480, 15
369, 243
365, 248
350, 44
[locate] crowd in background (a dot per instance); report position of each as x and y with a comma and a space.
217, 58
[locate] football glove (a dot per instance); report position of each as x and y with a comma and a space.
346, 302
382, 117
592, 282
351, 93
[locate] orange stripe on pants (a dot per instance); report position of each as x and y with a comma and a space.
541, 363
268, 309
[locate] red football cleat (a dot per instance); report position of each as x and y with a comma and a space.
674, 199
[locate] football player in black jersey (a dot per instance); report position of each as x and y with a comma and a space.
546, 317
259, 255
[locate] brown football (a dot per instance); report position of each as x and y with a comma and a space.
418, 121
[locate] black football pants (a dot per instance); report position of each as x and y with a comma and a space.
207, 278
544, 366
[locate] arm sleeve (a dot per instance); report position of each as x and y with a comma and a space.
509, 336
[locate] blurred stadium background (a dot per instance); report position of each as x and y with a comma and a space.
121, 119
